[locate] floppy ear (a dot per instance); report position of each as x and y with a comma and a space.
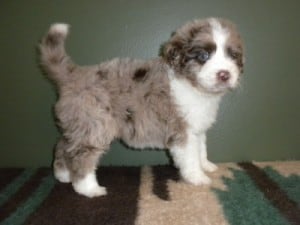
171, 52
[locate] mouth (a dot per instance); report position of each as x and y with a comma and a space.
220, 88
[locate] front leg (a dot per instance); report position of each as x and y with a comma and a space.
205, 163
186, 158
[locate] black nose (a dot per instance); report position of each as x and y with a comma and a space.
223, 75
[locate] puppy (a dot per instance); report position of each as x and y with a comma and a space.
168, 102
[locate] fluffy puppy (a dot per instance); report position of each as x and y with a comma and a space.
167, 102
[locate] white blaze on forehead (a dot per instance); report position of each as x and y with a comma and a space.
219, 33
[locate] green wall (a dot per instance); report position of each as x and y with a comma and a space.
260, 121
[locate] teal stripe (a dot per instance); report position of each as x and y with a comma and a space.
244, 204
15, 185
32, 203
290, 184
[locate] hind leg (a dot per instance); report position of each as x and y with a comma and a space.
82, 163
61, 171
89, 128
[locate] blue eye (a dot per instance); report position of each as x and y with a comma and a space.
203, 56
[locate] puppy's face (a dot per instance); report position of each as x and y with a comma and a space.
208, 53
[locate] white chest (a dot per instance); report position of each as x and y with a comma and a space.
198, 109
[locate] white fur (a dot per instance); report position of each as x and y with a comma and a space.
63, 175
199, 108
220, 60
89, 187
186, 158
200, 111
61, 28
205, 163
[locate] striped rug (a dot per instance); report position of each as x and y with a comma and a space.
241, 194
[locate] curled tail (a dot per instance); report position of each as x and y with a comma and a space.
54, 59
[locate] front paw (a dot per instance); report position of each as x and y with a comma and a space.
196, 178
209, 166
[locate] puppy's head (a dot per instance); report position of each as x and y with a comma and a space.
208, 53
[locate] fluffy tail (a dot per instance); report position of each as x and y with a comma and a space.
54, 59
